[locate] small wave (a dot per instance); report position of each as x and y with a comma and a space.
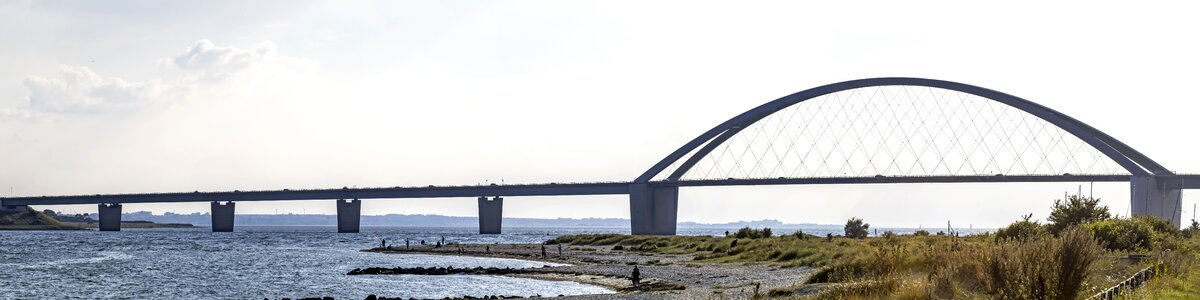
102, 256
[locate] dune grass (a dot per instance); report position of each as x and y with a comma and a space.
1069, 266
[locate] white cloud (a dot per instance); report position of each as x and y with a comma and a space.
204, 55
206, 65
81, 90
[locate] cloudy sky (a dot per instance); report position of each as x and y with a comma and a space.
159, 96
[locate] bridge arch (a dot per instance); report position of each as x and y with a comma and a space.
654, 194
1129, 159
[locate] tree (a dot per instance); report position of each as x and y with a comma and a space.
855, 228
1193, 230
1021, 230
1077, 210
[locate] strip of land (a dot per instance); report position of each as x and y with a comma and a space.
663, 275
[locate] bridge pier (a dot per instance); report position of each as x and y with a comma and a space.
653, 210
110, 216
348, 215
490, 215
222, 216
1149, 196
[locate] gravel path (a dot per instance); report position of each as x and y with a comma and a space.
601, 265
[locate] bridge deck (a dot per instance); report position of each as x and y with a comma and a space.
553, 189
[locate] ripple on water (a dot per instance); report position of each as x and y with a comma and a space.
268, 262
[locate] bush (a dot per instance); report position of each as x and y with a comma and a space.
1122, 234
749, 233
1021, 230
1192, 231
855, 228
799, 234
1078, 210
921, 232
1042, 267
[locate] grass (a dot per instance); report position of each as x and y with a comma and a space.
923, 267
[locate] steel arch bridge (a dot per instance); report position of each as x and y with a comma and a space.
877, 130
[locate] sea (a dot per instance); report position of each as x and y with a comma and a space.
265, 262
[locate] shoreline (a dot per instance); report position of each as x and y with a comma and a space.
663, 275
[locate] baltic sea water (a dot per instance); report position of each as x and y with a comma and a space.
257, 262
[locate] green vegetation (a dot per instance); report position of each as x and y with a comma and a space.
1077, 210
855, 228
1025, 260
1021, 230
748, 233
26, 218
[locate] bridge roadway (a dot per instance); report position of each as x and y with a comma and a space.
491, 208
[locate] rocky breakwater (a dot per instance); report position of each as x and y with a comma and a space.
440, 271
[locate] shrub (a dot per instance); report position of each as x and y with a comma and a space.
855, 228
1077, 210
1042, 267
1192, 231
799, 234
1021, 230
921, 232
749, 233
1122, 234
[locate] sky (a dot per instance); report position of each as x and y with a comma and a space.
163, 96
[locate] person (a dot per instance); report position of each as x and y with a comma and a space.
405, 243
543, 250
487, 249
422, 242
637, 276
383, 243
560, 249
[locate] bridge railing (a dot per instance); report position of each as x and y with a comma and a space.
341, 188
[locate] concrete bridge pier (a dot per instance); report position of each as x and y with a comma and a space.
491, 213
1149, 196
222, 216
348, 215
110, 216
653, 210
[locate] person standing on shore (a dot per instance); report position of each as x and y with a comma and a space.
543, 250
405, 244
560, 249
382, 244
637, 276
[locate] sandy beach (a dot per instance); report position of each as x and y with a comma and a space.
663, 275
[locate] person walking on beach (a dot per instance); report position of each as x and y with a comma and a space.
637, 276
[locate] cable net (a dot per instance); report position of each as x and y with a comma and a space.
899, 131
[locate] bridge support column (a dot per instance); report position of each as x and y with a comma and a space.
1151, 197
110, 216
222, 216
348, 215
653, 210
491, 214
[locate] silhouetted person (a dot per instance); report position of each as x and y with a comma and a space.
543, 250
637, 276
422, 242
383, 243
727, 233
405, 243
559, 249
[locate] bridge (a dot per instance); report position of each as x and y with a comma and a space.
866, 131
